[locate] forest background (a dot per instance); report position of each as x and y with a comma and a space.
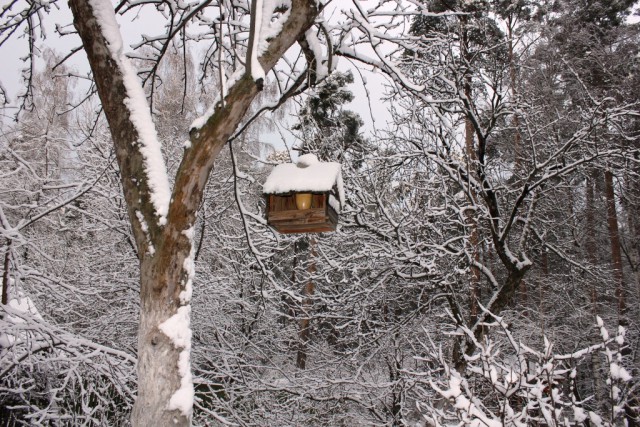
485, 271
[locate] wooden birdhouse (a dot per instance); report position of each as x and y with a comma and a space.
304, 197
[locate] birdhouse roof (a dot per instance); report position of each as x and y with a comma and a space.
307, 175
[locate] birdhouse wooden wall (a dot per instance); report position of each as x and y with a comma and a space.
285, 217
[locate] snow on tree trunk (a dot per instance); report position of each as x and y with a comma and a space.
165, 395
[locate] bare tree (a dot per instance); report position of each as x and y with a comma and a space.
162, 219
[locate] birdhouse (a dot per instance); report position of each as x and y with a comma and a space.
304, 197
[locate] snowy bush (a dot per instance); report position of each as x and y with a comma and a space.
507, 383
49, 376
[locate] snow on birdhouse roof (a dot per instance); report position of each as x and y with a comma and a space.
308, 175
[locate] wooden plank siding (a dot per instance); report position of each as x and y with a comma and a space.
283, 215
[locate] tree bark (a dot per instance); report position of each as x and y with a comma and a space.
616, 253
590, 241
472, 158
600, 394
474, 241
472, 221
634, 224
543, 283
517, 138
6, 274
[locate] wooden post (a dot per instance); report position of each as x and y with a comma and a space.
307, 306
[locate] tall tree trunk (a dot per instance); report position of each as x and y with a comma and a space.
633, 219
469, 132
517, 138
474, 241
544, 270
600, 392
590, 234
394, 364
307, 308
634, 225
616, 253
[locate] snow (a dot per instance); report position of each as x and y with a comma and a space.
136, 102
177, 327
182, 399
308, 175
579, 414
474, 415
273, 26
604, 333
21, 304
143, 223
333, 202
202, 120
257, 72
145, 229
314, 44
618, 372
178, 330
595, 419
620, 336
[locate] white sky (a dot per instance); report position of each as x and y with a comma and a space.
60, 15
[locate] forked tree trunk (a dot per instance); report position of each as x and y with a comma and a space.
161, 250
164, 386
